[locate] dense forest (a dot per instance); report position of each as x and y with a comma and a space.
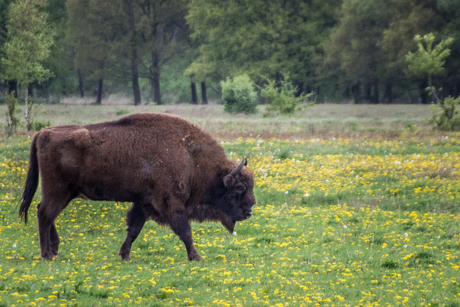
165, 51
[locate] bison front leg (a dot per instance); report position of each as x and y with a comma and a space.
135, 219
181, 226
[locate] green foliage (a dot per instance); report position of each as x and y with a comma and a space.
241, 38
28, 43
445, 115
35, 124
239, 95
282, 98
38, 125
119, 112
12, 121
428, 60
353, 52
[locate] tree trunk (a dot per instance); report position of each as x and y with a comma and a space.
100, 82
376, 92
388, 95
193, 88
156, 77
367, 91
355, 92
135, 73
13, 88
80, 83
422, 92
204, 95
134, 56
27, 110
30, 90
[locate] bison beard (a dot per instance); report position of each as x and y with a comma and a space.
170, 169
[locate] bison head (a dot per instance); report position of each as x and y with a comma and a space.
233, 195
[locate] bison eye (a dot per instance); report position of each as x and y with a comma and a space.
240, 188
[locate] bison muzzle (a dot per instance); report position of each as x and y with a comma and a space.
171, 170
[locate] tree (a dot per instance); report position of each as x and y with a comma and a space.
353, 52
407, 18
97, 31
4, 5
450, 14
242, 38
429, 60
128, 6
159, 25
28, 44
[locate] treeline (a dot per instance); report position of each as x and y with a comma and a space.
172, 50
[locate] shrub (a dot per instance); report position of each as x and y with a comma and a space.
121, 112
12, 121
239, 95
34, 123
445, 114
282, 98
38, 125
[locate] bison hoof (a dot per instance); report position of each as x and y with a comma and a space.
195, 258
124, 255
49, 256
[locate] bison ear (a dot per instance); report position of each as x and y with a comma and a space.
229, 181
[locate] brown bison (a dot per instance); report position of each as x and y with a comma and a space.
170, 169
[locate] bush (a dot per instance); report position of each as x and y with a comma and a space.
12, 121
445, 114
119, 112
38, 125
282, 98
239, 95
34, 123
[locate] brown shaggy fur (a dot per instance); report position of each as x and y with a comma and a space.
170, 169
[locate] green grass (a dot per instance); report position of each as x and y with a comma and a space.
337, 250
370, 217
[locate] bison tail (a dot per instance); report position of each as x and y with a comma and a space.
31, 181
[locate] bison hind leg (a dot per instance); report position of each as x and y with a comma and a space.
49, 239
54, 240
135, 220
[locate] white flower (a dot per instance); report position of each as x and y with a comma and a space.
14, 245
234, 233
404, 245
306, 195
406, 234
345, 226
286, 192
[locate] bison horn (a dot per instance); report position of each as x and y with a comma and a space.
237, 170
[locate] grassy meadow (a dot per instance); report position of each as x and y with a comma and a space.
357, 205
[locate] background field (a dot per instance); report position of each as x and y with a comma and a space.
327, 119
356, 205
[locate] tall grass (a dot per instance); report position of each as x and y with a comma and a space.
323, 120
